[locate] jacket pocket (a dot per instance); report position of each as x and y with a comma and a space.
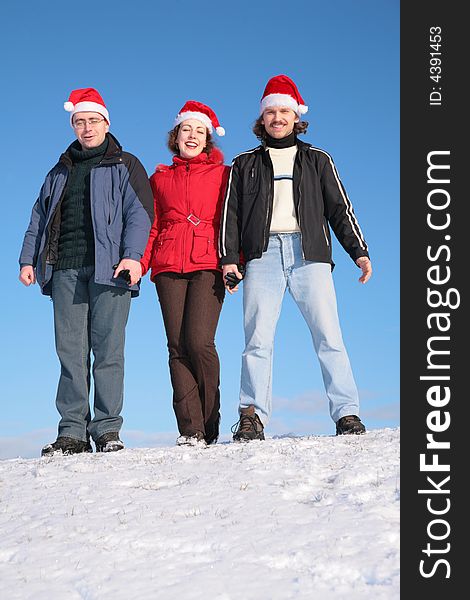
251, 182
165, 249
203, 245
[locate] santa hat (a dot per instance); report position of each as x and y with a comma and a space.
86, 100
282, 91
201, 112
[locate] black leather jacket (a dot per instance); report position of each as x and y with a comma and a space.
320, 202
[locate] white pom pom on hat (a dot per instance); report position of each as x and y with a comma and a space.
282, 91
197, 110
86, 100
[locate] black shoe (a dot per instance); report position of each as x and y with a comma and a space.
194, 439
109, 442
249, 427
212, 431
66, 445
350, 424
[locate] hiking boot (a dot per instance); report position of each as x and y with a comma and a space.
66, 445
351, 424
212, 432
249, 426
109, 442
196, 439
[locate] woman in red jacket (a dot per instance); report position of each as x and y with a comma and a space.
182, 253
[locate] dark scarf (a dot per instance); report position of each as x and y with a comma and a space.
285, 142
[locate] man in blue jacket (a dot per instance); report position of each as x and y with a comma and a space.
87, 233
283, 196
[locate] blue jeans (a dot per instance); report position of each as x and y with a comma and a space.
89, 317
311, 286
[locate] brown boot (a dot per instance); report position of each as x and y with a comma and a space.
249, 426
350, 425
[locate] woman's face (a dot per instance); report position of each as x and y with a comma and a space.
192, 138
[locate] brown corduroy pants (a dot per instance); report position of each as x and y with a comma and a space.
191, 305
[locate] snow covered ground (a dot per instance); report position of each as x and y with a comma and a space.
312, 517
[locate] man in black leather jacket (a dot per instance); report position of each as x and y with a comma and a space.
282, 198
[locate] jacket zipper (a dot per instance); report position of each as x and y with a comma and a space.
47, 248
183, 254
270, 203
93, 218
111, 160
297, 158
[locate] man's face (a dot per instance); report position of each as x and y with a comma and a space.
279, 121
90, 128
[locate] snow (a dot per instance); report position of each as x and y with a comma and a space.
290, 517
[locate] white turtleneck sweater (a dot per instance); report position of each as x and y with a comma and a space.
283, 218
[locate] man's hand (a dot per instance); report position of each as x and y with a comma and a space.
231, 269
134, 267
27, 275
366, 266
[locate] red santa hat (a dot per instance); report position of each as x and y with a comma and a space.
201, 112
282, 91
86, 100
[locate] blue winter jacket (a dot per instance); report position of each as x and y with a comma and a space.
121, 209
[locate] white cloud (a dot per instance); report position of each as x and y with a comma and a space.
308, 414
26, 445
386, 412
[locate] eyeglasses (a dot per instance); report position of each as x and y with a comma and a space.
81, 123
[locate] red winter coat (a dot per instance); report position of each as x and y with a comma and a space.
188, 198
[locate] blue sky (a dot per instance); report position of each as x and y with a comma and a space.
147, 58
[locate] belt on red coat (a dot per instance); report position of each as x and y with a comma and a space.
193, 219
